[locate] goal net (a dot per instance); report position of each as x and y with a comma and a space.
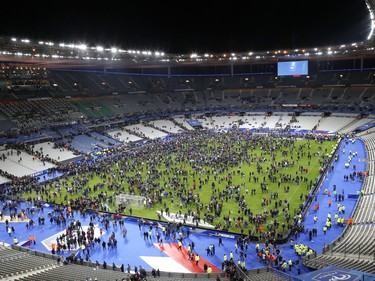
134, 201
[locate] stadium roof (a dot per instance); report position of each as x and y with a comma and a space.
53, 55
47, 54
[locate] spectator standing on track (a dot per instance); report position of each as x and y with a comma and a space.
220, 241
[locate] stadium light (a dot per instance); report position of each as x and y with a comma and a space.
372, 18
82, 47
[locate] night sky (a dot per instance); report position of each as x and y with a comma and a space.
194, 26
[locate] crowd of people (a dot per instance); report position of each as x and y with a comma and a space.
176, 179
189, 167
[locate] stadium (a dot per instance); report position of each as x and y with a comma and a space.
130, 164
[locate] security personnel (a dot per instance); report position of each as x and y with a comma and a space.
283, 265
196, 259
315, 218
290, 263
209, 269
225, 258
336, 217
310, 252
329, 224
15, 241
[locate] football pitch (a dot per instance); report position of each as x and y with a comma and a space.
235, 181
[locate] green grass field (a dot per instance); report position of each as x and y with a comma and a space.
212, 170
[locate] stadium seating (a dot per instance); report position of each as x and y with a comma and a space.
21, 264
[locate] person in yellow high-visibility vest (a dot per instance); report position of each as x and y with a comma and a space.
196, 259
283, 265
209, 269
290, 263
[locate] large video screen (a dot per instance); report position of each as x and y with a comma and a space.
292, 68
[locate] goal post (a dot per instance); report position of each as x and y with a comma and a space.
136, 202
